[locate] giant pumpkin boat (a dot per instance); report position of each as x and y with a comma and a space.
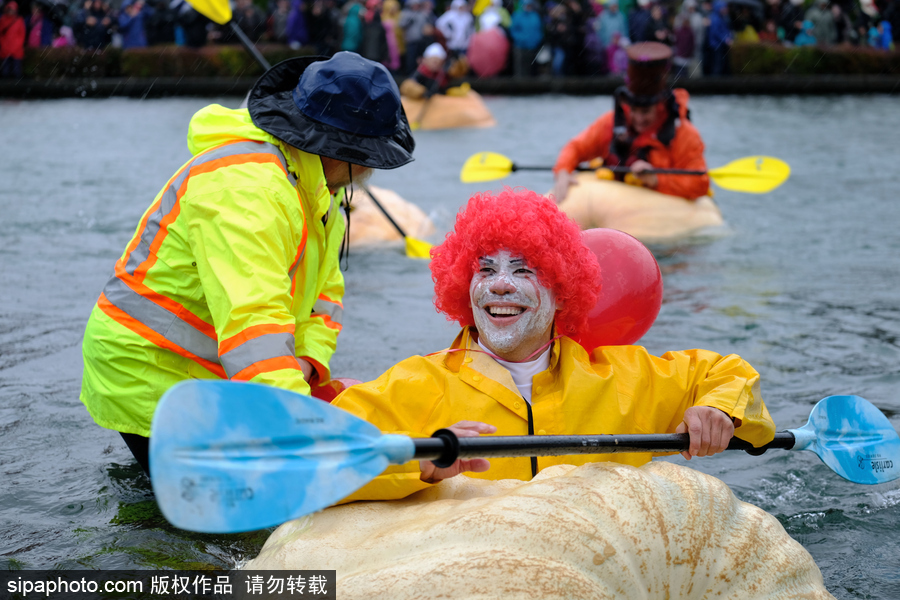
648, 215
370, 227
448, 112
594, 532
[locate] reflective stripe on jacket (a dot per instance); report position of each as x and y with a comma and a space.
685, 151
615, 390
232, 273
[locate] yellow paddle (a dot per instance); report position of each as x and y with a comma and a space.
414, 248
220, 12
753, 174
215, 10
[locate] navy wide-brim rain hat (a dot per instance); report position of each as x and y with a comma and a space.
344, 107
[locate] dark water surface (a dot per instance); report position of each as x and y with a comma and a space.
804, 285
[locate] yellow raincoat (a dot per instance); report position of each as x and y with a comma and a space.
616, 390
232, 273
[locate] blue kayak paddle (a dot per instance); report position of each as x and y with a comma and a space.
228, 456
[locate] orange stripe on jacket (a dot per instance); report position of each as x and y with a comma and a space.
167, 303
208, 167
328, 322
236, 159
251, 333
135, 282
120, 264
300, 248
327, 299
141, 271
153, 207
124, 319
267, 366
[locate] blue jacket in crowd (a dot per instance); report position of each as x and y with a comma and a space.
526, 29
638, 22
719, 31
132, 28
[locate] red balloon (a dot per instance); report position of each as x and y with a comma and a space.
330, 390
631, 292
488, 51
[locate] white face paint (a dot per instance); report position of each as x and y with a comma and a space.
513, 312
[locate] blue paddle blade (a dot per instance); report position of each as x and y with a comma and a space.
853, 438
228, 457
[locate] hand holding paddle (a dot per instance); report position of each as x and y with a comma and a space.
753, 174
228, 456
432, 473
710, 431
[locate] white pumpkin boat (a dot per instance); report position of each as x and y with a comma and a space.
648, 215
599, 531
369, 226
448, 112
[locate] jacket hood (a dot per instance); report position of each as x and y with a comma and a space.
215, 125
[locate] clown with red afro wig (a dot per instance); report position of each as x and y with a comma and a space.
528, 225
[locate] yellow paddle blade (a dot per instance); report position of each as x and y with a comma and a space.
485, 166
753, 174
217, 10
417, 248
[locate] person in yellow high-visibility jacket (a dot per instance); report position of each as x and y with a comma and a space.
517, 276
233, 271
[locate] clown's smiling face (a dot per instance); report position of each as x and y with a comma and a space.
513, 312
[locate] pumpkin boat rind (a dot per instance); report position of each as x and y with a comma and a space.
602, 530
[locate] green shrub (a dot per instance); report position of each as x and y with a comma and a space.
71, 63
209, 61
234, 61
154, 61
772, 59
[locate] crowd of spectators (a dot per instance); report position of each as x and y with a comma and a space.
558, 37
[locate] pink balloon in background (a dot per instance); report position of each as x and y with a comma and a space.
488, 51
631, 292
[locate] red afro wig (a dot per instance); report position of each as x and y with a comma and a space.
523, 223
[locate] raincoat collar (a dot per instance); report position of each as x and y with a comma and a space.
474, 367
454, 358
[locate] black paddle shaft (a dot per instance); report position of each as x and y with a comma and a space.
249, 46
383, 210
444, 447
617, 169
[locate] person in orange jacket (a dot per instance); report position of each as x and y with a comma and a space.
649, 128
